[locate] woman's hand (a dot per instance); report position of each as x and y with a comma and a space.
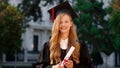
57, 66
69, 64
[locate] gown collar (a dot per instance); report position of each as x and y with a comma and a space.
63, 43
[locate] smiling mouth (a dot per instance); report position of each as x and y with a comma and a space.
63, 28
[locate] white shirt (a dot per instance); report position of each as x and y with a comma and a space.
63, 43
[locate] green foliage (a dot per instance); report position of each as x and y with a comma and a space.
31, 8
114, 23
11, 28
93, 29
117, 43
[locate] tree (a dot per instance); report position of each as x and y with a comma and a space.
93, 29
31, 9
114, 23
11, 28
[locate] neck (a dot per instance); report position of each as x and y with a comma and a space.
64, 35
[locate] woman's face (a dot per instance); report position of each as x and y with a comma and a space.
65, 24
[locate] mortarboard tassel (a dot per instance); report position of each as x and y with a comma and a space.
52, 14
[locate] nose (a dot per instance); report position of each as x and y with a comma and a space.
63, 24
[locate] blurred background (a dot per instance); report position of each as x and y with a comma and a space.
25, 25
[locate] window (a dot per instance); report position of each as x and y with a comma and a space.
35, 42
117, 59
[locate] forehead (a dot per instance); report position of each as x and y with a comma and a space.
65, 15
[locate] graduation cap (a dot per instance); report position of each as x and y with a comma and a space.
62, 8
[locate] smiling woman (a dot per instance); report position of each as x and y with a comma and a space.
63, 38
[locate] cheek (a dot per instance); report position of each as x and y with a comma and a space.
69, 25
60, 26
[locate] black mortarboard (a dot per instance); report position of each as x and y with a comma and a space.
63, 7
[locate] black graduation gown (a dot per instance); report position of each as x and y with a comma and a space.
44, 60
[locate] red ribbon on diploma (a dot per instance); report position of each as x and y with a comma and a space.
65, 60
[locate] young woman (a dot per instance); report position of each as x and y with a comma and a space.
63, 37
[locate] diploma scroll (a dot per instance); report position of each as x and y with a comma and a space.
68, 55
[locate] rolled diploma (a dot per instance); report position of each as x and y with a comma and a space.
68, 55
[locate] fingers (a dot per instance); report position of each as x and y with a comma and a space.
69, 64
60, 66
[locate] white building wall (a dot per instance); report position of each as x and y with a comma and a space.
15, 2
28, 39
108, 61
42, 30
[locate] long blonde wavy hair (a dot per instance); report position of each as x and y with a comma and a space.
55, 50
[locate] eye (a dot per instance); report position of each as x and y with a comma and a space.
66, 21
61, 22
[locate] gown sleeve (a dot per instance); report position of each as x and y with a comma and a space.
85, 61
44, 61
